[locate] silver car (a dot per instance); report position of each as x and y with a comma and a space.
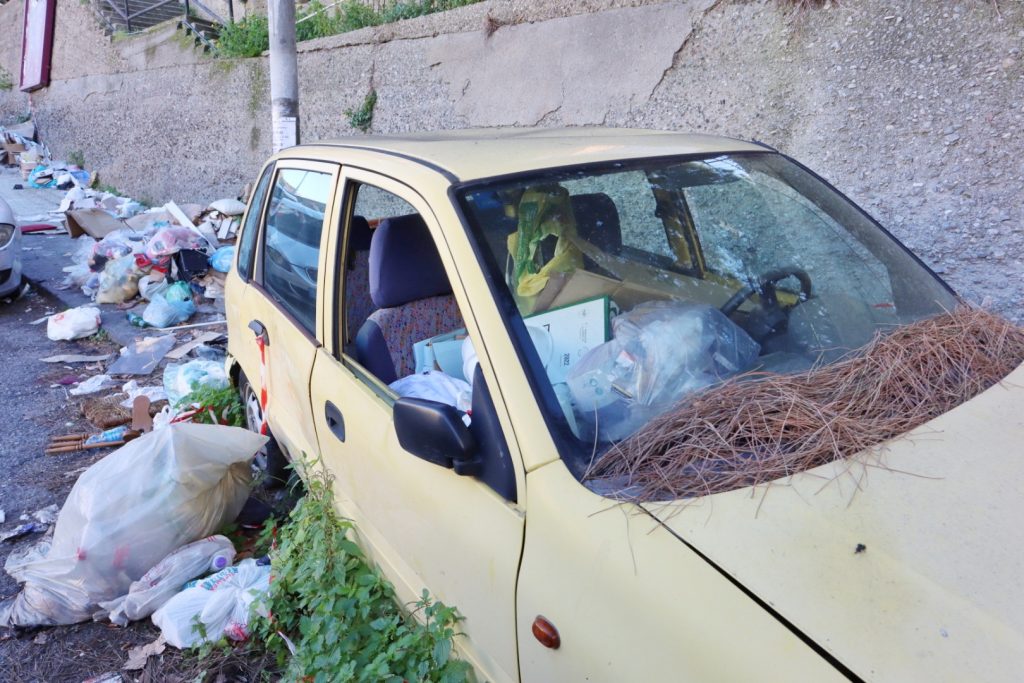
10, 251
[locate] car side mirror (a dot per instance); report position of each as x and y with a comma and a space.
435, 432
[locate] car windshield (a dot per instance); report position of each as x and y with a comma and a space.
640, 282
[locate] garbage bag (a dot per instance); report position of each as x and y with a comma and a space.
163, 312
73, 323
119, 281
126, 513
171, 240
221, 259
151, 285
180, 380
116, 244
220, 603
164, 580
660, 351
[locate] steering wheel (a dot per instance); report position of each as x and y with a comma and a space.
769, 297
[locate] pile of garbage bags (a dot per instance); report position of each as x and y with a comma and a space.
125, 515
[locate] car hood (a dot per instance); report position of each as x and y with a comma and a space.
904, 565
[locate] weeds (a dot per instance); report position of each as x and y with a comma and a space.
246, 38
224, 403
362, 118
6, 82
250, 37
77, 158
334, 617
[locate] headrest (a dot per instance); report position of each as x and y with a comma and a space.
404, 263
597, 221
359, 234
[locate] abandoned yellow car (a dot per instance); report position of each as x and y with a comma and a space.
465, 328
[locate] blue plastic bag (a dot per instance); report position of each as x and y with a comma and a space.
221, 259
162, 312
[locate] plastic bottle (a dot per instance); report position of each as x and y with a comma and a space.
221, 560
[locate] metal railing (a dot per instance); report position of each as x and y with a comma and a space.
122, 9
204, 23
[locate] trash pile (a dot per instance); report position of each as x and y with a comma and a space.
136, 528
171, 257
758, 428
18, 147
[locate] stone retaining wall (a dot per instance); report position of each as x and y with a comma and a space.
914, 109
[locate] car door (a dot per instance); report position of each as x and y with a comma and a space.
286, 285
423, 524
241, 298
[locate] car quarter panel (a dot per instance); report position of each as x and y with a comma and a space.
632, 603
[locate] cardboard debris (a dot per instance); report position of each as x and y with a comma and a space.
184, 349
178, 215
76, 358
95, 223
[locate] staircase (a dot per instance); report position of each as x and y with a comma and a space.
132, 16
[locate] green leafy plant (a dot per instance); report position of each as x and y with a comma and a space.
250, 37
333, 617
77, 158
362, 118
6, 82
246, 38
223, 402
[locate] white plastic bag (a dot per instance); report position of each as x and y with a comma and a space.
181, 380
73, 323
660, 352
126, 513
92, 385
435, 385
134, 390
163, 581
220, 603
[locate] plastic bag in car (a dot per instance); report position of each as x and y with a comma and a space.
126, 513
660, 351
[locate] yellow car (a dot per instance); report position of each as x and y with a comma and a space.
433, 317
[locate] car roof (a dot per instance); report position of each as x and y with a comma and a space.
471, 154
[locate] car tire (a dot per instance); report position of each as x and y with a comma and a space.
270, 462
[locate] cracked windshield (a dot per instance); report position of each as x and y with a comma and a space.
642, 283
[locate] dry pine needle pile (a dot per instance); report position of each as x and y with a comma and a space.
761, 427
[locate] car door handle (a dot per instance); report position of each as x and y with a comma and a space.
335, 422
260, 330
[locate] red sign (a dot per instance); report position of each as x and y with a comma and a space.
37, 44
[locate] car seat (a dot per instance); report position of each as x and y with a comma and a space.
597, 221
358, 304
412, 294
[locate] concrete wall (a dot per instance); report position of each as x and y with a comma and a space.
912, 108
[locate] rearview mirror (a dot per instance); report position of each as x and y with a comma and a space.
435, 432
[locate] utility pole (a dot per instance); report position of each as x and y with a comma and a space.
284, 74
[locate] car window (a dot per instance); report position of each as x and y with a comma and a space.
250, 231
391, 325
636, 206
291, 241
751, 227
